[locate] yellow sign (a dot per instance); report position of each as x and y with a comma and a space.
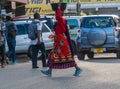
42, 9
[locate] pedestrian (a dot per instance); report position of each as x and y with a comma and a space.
2, 50
62, 55
10, 33
37, 43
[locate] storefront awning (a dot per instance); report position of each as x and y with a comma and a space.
20, 1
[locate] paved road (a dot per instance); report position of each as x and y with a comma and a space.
98, 73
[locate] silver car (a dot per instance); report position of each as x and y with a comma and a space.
23, 42
74, 25
98, 34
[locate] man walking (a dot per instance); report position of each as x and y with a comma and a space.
10, 33
37, 43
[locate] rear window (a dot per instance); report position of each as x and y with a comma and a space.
96, 22
73, 23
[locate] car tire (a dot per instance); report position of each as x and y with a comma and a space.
90, 55
80, 55
118, 54
30, 53
74, 47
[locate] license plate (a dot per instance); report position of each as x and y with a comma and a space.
98, 50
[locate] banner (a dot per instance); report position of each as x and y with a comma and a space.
43, 6
42, 9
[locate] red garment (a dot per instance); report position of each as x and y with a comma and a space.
60, 57
61, 24
61, 51
60, 37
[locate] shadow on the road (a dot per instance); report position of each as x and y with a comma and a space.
22, 58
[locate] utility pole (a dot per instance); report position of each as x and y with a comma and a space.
78, 8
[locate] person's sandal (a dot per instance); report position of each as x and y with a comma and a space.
46, 72
77, 72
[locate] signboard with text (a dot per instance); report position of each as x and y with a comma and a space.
42, 9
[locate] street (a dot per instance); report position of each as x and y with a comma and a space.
99, 73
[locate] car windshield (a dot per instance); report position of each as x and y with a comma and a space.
73, 23
96, 22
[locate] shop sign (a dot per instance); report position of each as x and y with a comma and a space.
30, 9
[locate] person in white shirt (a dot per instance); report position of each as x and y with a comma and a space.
38, 44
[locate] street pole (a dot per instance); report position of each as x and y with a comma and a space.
78, 8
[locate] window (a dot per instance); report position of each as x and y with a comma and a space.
21, 30
96, 22
73, 23
45, 28
26, 26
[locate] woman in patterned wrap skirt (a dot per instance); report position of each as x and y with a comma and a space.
62, 55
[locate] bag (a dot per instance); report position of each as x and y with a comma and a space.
32, 31
12, 30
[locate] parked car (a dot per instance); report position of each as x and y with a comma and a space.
23, 42
74, 25
98, 34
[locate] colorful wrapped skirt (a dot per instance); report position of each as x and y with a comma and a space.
60, 57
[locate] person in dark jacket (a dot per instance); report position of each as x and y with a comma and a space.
10, 33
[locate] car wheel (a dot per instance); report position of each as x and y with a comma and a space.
118, 54
30, 53
80, 55
90, 55
74, 47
